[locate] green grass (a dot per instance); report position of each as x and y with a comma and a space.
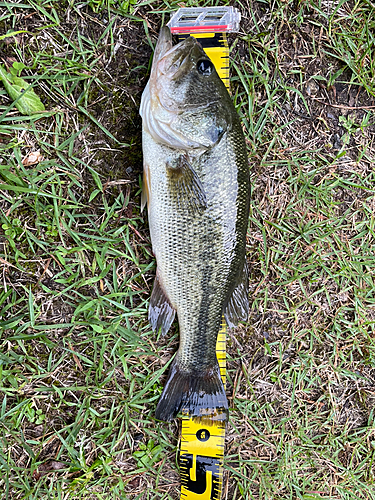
80, 370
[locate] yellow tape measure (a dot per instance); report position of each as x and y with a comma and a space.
202, 447
202, 442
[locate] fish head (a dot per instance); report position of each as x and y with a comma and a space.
184, 105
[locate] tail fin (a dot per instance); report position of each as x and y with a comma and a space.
202, 394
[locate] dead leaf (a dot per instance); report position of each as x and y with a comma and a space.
46, 467
32, 158
76, 359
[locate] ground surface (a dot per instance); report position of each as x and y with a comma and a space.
80, 370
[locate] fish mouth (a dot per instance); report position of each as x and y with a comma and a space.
164, 44
170, 59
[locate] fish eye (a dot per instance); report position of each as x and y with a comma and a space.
205, 67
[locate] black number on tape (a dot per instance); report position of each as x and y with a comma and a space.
203, 435
204, 464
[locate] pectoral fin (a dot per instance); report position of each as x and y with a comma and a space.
237, 308
186, 185
160, 313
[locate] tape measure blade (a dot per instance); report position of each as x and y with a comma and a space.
202, 445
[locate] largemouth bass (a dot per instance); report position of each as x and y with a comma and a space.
196, 185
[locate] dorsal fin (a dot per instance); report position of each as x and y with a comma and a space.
237, 308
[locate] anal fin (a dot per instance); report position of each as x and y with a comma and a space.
160, 313
237, 308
